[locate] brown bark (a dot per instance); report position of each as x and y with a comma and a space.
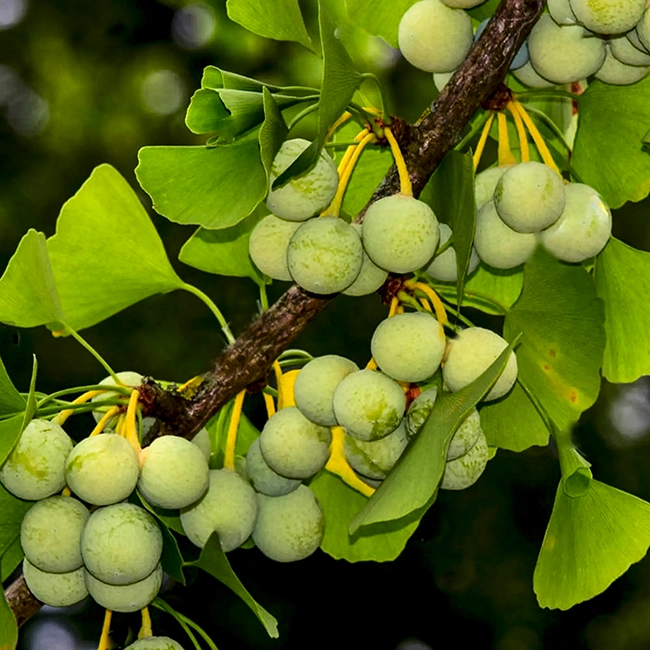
248, 360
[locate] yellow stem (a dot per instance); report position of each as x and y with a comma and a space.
270, 405
66, 492
231, 440
426, 304
482, 140
334, 207
146, 629
288, 381
278, 381
190, 387
99, 427
371, 365
537, 137
404, 178
394, 304
521, 131
439, 308
119, 427
342, 120
338, 464
400, 309
64, 415
505, 155
130, 424
105, 639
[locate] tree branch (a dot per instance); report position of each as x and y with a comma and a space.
248, 360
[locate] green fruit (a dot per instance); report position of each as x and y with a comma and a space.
443, 267
584, 227
620, 74
293, 446
626, 52
315, 386
561, 12
527, 75
229, 507
463, 4
308, 194
35, 468
268, 246
564, 54
433, 37
121, 544
640, 37
103, 469
202, 441
290, 527
409, 347
325, 255
441, 79
369, 405
419, 410
375, 459
400, 233
499, 245
470, 354
125, 598
155, 643
174, 473
263, 478
466, 470
370, 277
465, 436
529, 197
485, 183
608, 16
50, 534
55, 589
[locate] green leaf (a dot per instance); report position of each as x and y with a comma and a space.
215, 78
591, 540
561, 321
513, 422
340, 82
340, 504
28, 294
223, 252
280, 19
214, 188
106, 254
274, 130
623, 283
214, 561
13, 510
608, 154
484, 10
8, 626
450, 193
207, 113
11, 558
10, 430
11, 401
413, 481
379, 17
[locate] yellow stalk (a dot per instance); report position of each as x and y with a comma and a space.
130, 424
404, 178
371, 365
64, 415
505, 155
231, 440
338, 464
340, 122
270, 405
334, 207
521, 131
394, 304
146, 629
482, 140
105, 639
439, 308
190, 387
537, 137
288, 380
278, 381
99, 427
66, 492
425, 303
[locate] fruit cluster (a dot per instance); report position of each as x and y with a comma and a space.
608, 39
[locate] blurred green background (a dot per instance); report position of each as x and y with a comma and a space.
85, 83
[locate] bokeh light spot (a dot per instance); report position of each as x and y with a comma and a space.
163, 92
12, 12
194, 26
27, 112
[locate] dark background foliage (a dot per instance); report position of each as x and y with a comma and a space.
83, 83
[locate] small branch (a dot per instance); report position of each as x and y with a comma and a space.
247, 361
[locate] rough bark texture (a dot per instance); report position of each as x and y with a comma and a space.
247, 362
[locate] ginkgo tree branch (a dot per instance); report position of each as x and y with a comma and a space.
247, 361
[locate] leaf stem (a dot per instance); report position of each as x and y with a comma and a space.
225, 328
301, 115
546, 92
94, 352
385, 116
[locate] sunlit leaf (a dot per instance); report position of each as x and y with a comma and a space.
11, 401
280, 19
106, 254
8, 626
214, 561
561, 320
379, 17
273, 131
412, 483
623, 283
608, 152
216, 78
340, 504
211, 187
10, 560
13, 511
28, 294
